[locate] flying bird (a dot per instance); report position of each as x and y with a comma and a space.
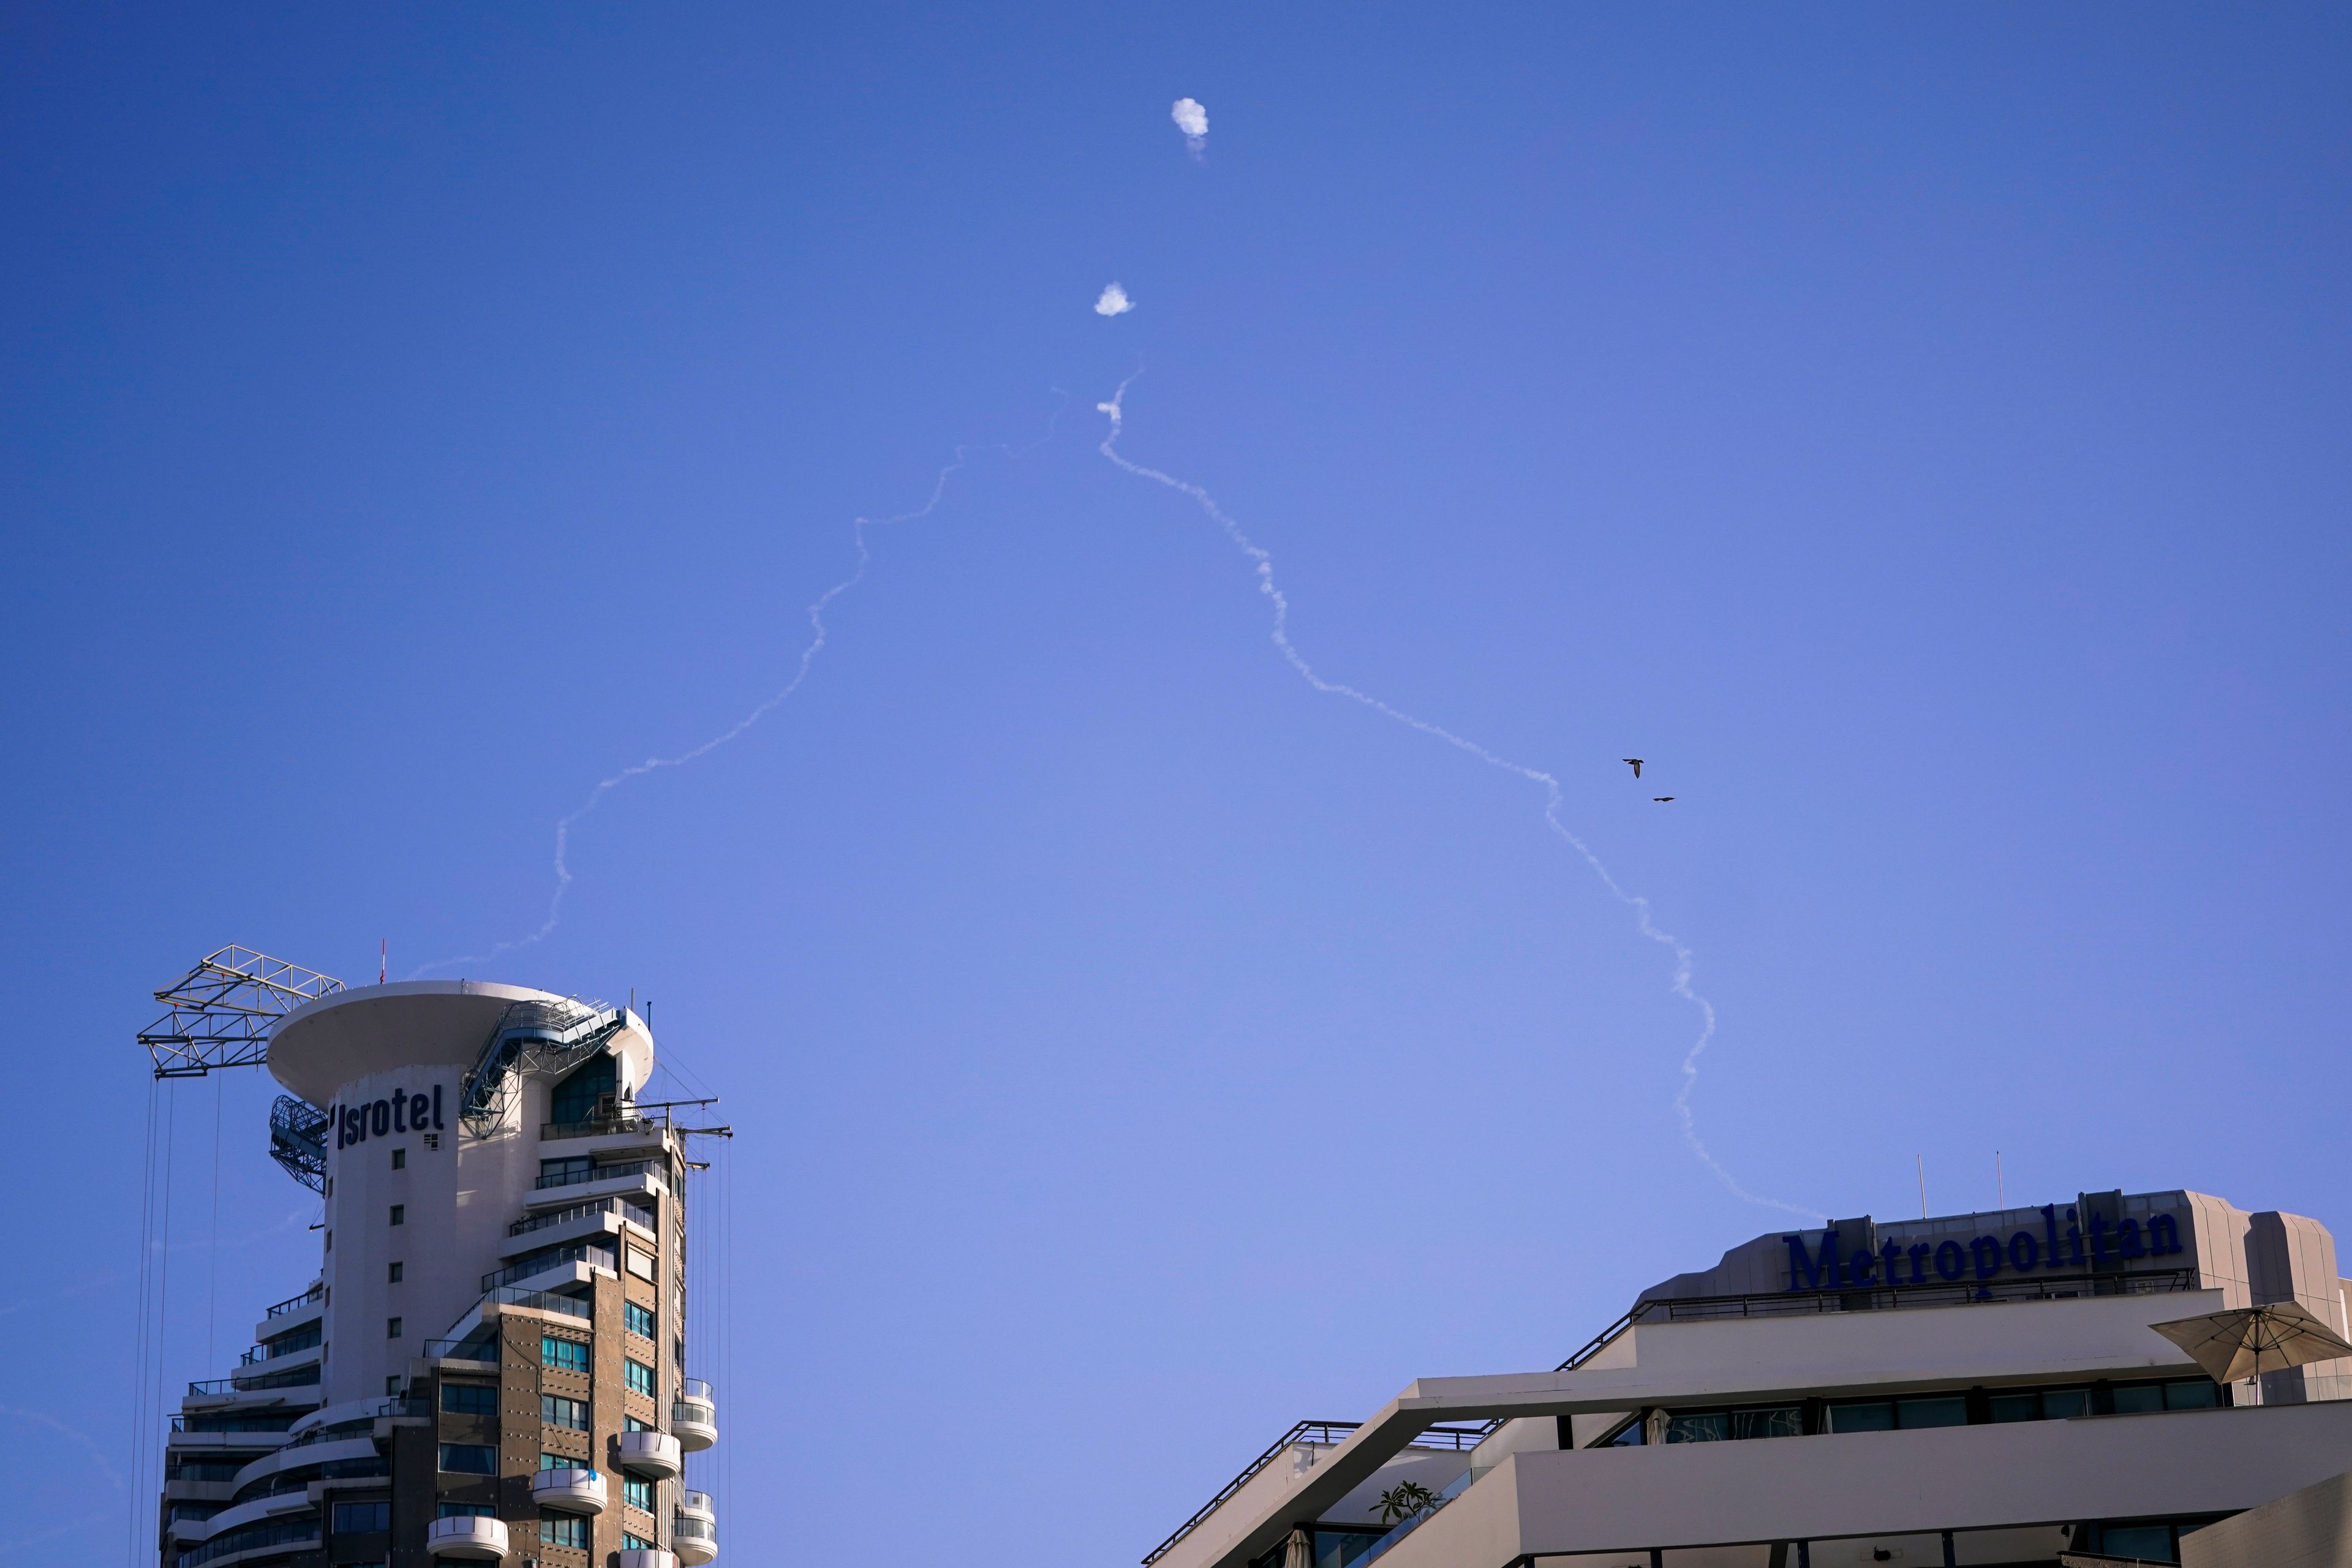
1662, 799
1637, 765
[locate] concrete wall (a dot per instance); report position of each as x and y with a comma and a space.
1882, 1485
2307, 1528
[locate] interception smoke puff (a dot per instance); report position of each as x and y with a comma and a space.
1114, 301
1193, 121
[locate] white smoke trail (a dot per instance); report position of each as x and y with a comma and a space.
1262, 563
819, 634
1193, 120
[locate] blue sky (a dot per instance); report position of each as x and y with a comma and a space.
1920, 436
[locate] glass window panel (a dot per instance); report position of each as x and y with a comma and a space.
1788, 1421
2016, 1406
2149, 1543
2194, 1393
469, 1459
1870, 1418
2133, 1398
1707, 1427
1942, 1410
2064, 1403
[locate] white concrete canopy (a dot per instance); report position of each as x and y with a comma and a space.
323, 1045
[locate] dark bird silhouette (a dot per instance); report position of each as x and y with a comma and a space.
1637, 765
1662, 799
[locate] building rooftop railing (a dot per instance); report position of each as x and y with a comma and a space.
293, 1304
1959, 1294
473, 1347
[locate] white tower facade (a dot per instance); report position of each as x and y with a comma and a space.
490, 1366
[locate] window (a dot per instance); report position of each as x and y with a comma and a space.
2136, 1397
557, 1411
635, 1542
638, 1494
395, 1272
467, 1510
391, 1385
391, 1328
568, 1529
564, 1172
639, 1375
560, 1462
639, 1320
433, 1140
2192, 1393
628, 1424
587, 1095
361, 1517
1878, 1416
2149, 1543
1942, 1410
2064, 1403
469, 1459
400, 1158
564, 1355
470, 1399
1721, 1425
1701, 1426
330, 1241
400, 1214
641, 1263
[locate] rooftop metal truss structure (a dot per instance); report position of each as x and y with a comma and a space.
298, 1141
221, 1011
533, 1039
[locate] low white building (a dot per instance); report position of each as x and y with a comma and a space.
1982, 1388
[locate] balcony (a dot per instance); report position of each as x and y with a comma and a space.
549, 1259
696, 1541
569, 1490
293, 1305
647, 1557
476, 1537
694, 1416
650, 1454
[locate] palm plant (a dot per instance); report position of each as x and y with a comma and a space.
1406, 1499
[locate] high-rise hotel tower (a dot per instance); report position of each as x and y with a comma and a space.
491, 1363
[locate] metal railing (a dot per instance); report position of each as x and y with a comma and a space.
244, 1383
695, 1388
622, 1206
551, 1258
293, 1304
446, 1350
693, 1528
1320, 1434
251, 1536
605, 1173
538, 1301
284, 1344
1952, 1293
595, 1127
695, 1503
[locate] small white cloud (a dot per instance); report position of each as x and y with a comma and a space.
1114, 301
1190, 119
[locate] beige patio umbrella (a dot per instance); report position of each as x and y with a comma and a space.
2247, 1341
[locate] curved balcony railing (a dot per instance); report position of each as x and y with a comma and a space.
467, 1536
694, 1416
695, 1505
569, 1490
650, 1454
696, 1541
